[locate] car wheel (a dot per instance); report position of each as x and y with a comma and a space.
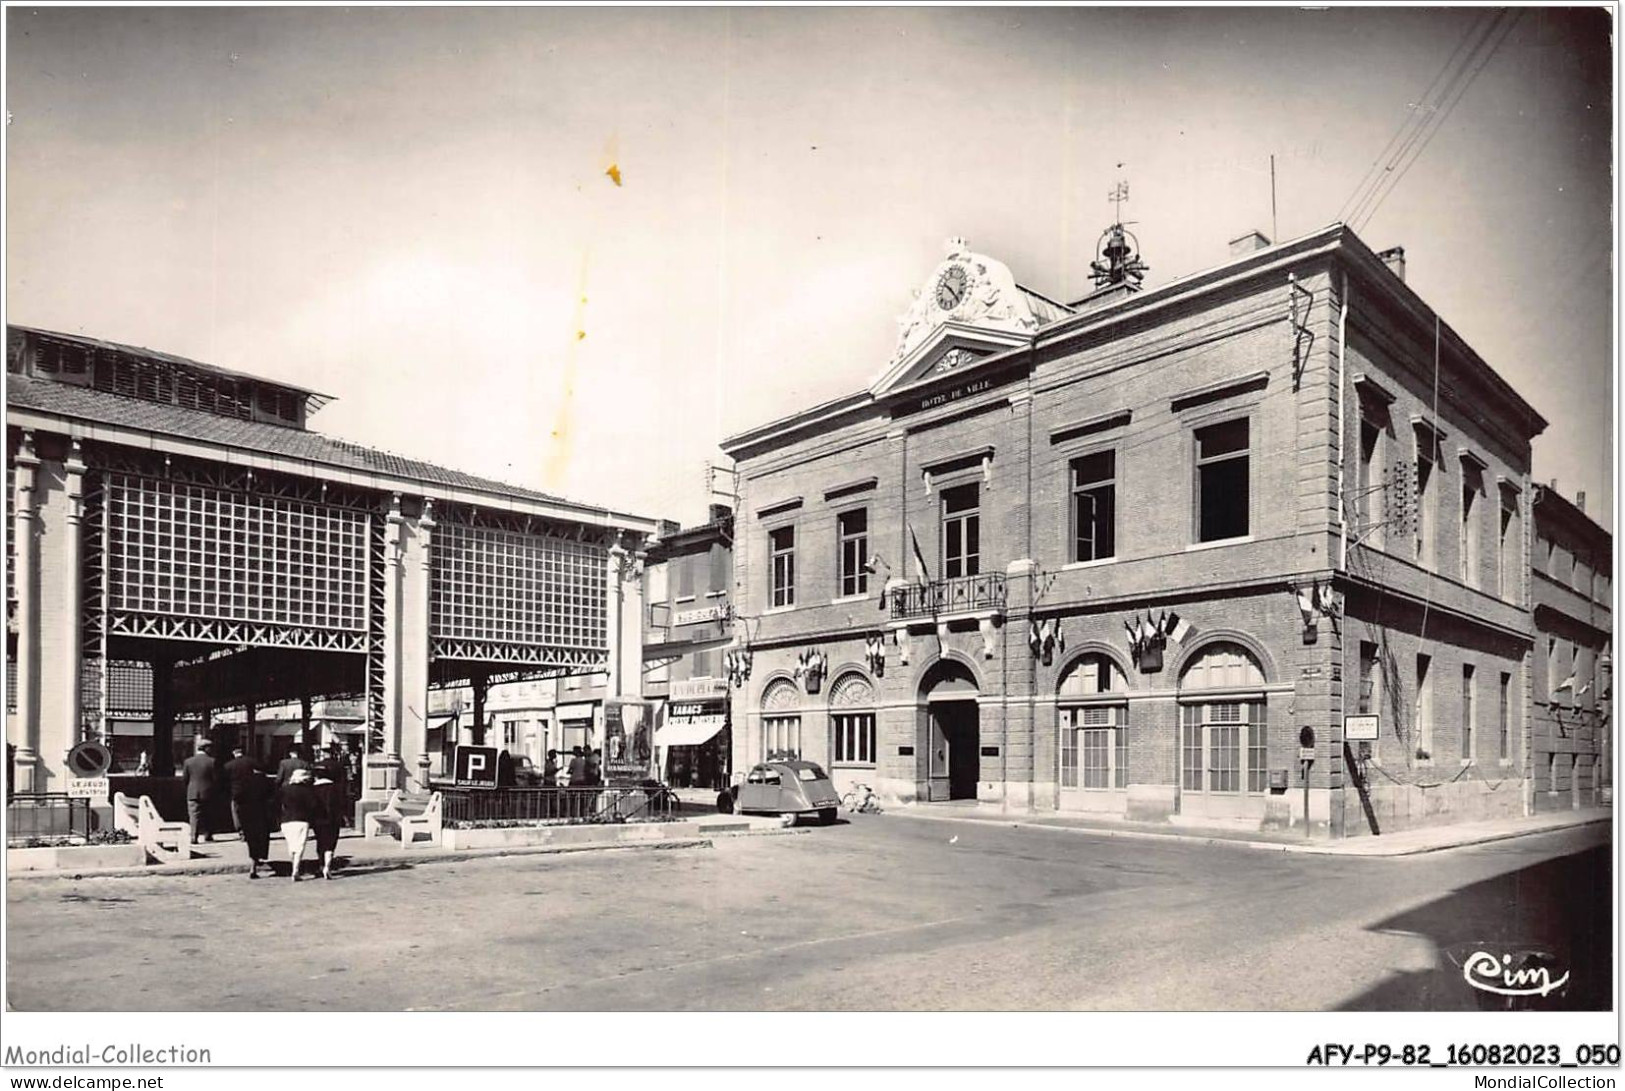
826, 817
725, 802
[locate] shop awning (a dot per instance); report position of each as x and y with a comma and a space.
691, 731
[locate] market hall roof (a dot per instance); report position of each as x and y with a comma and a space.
132, 421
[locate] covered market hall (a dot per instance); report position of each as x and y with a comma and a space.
184, 551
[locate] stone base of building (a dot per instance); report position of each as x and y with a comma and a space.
1407, 806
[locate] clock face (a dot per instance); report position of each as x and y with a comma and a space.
951, 288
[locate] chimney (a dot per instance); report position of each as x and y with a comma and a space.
1580, 501
719, 512
1394, 258
1246, 244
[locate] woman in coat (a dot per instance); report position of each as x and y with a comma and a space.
300, 811
331, 797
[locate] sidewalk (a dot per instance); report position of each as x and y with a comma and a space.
227, 855
1402, 843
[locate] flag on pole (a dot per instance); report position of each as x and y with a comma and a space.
921, 573
1133, 634
1034, 641
1179, 629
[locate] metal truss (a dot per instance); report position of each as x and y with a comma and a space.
219, 631
220, 475
573, 660
375, 634
519, 523
93, 663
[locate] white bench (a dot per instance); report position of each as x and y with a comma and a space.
405, 816
163, 841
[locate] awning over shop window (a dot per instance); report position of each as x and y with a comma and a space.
692, 731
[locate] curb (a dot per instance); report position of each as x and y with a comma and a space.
405, 858
1310, 849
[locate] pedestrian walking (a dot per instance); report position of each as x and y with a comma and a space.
331, 800
550, 769
294, 760
248, 798
202, 781
300, 810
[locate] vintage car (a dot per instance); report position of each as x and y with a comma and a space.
783, 787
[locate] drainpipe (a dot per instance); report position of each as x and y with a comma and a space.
1342, 471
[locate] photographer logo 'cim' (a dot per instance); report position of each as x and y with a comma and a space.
1525, 975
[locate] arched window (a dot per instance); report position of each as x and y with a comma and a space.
1224, 745
781, 721
852, 720
1092, 714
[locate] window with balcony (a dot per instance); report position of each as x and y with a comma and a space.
782, 567
961, 531
1223, 496
1094, 506
852, 532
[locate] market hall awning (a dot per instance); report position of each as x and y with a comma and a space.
689, 730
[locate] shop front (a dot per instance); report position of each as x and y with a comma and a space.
694, 741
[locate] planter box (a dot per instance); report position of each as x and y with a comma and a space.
75, 857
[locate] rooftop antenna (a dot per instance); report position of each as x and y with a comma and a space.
1117, 255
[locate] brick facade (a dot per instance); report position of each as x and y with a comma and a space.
1291, 340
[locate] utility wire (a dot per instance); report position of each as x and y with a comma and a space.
1416, 110
1443, 115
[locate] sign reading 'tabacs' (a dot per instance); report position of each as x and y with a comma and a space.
475, 767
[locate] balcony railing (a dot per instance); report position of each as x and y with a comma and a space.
961, 594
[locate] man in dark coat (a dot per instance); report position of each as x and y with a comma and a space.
294, 760
248, 798
202, 782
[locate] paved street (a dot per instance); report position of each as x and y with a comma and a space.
884, 912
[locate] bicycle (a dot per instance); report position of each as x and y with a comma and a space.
861, 800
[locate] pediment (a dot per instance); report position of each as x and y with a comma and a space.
970, 306
949, 347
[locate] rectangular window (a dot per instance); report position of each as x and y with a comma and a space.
1094, 506
685, 577
1214, 739
721, 569
1468, 539
961, 531
781, 737
1426, 497
854, 737
1505, 718
1468, 686
783, 548
853, 531
1100, 734
1097, 748
1367, 697
1424, 704
1366, 477
1505, 559
1190, 761
1223, 500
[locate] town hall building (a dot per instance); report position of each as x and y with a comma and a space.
1175, 554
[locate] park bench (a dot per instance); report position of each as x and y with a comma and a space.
163, 841
405, 816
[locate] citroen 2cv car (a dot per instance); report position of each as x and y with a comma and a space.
783, 787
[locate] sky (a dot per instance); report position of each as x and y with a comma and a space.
412, 209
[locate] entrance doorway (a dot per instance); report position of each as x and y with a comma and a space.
955, 735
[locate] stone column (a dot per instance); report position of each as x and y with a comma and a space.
619, 558
27, 771
417, 559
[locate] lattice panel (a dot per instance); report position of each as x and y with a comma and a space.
504, 587
181, 549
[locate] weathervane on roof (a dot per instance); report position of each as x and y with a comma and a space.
1117, 254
